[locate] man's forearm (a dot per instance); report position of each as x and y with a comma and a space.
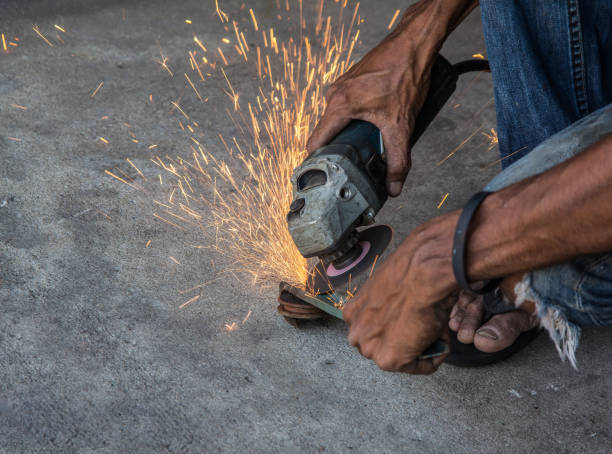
546, 219
429, 22
543, 220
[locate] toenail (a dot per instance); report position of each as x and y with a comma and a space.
488, 333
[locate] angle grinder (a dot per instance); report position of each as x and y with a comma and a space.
340, 188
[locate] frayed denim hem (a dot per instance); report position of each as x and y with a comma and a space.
564, 334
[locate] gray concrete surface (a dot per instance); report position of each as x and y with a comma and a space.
95, 354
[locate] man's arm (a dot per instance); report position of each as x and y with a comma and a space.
546, 219
540, 221
389, 85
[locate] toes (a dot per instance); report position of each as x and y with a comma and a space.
501, 331
472, 320
454, 322
459, 310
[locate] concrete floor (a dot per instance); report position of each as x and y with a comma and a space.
95, 354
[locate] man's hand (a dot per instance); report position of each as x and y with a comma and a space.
389, 85
404, 306
385, 92
543, 220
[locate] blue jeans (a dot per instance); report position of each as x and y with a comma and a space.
551, 62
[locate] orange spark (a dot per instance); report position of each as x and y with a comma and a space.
480, 56
104, 214
393, 19
194, 88
189, 301
243, 200
493, 139
233, 96
108, 172
224, 17
17, 106
231, 327
175, 104
371, 269
37, 31
246, 317
459, 146
442, 201
137, 169
97, 89
199, 43
254, 20
4, 43
103, 140
507, 156
61, 29
163, 62
222, 56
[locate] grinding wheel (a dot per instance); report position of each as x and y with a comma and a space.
373, 241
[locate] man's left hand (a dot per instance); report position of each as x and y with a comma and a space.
404, 307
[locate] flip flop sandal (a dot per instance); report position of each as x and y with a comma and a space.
466, 355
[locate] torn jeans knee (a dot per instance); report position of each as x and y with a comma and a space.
579, 292
568, 296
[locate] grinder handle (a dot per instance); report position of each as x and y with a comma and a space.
443, 81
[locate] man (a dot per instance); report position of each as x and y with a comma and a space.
546, 229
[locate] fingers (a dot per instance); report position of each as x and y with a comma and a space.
397, 157
329, 126
390, 359
395, 142
429, 365
424, 366
389, 362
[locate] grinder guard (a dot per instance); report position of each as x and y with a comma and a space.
339, 187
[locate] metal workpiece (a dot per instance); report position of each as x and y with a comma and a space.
331, 303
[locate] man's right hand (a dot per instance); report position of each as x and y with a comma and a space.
389, 85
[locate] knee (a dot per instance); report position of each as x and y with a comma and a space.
581, 289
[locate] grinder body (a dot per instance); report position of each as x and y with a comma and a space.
341, 186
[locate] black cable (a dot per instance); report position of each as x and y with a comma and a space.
467, 66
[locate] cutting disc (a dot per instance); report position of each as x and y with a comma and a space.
373, 242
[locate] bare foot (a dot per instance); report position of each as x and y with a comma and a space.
499, 332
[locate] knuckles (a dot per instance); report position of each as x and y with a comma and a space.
389, 362
337, 95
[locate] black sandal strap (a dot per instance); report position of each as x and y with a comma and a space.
495, 303
459, 248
